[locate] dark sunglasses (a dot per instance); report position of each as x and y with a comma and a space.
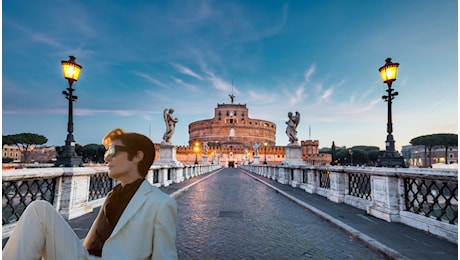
113, 149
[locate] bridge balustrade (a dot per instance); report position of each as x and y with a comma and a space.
426, 199
74, 191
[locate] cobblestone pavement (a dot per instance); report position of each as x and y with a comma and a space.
232, 216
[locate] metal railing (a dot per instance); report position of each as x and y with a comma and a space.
359, 185
17, 195
433, 199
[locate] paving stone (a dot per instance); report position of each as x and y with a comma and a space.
232, 216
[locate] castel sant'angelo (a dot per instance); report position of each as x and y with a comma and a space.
231, 137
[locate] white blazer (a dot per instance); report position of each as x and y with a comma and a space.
145, 230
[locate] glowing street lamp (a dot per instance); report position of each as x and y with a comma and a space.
69, 157
265, 152
196, 149
390, 158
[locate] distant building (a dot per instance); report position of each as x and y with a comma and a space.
35, 154
12, 151
231, 136
417, 156
232, 127
43, 154
310, 153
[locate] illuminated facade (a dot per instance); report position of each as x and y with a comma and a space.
232, 127
231, 135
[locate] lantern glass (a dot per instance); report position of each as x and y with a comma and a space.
71, 70
388, 72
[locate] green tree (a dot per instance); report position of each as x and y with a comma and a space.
433, 140
333, 152
358, 156
26, 142
93, 153
448, 140
343, 157
373, 155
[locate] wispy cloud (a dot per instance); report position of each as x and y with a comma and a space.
182, 83
326, 95
152, 80
219, 83
294, 97
258, 97
186, 71
309, 73
117, 112
159, 96
36, 36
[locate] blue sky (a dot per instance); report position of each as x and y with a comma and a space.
320, 58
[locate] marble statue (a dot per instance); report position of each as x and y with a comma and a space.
291, 128
205, 147
170, 125
256, 149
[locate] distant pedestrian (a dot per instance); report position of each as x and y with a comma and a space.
136, 221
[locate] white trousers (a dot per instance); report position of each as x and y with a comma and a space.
42, 232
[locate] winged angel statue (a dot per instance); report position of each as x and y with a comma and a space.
291, 129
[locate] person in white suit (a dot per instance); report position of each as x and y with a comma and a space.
136, 221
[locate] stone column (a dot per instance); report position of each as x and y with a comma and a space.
168, 156
205, 159
178, 173
72, 200
338, 184
293, 155
297, 173
282, 178
312, 181
385, 198
256, 160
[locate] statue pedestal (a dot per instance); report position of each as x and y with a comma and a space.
293, 155
168, 156
205, 160
256, 160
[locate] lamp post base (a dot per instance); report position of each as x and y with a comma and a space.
391, 159
66, 161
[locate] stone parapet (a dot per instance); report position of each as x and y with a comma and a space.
72, 188
407, 195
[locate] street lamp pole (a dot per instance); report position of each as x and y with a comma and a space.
196, 152
69, 157
351, 156
265, 152
390, 158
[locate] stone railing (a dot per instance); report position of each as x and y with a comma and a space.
74, 191
426, 199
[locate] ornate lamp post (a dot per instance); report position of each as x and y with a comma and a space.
265, 152
390, 158
196, 148
69, 157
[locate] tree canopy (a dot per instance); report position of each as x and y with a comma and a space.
433, 140
356, 155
